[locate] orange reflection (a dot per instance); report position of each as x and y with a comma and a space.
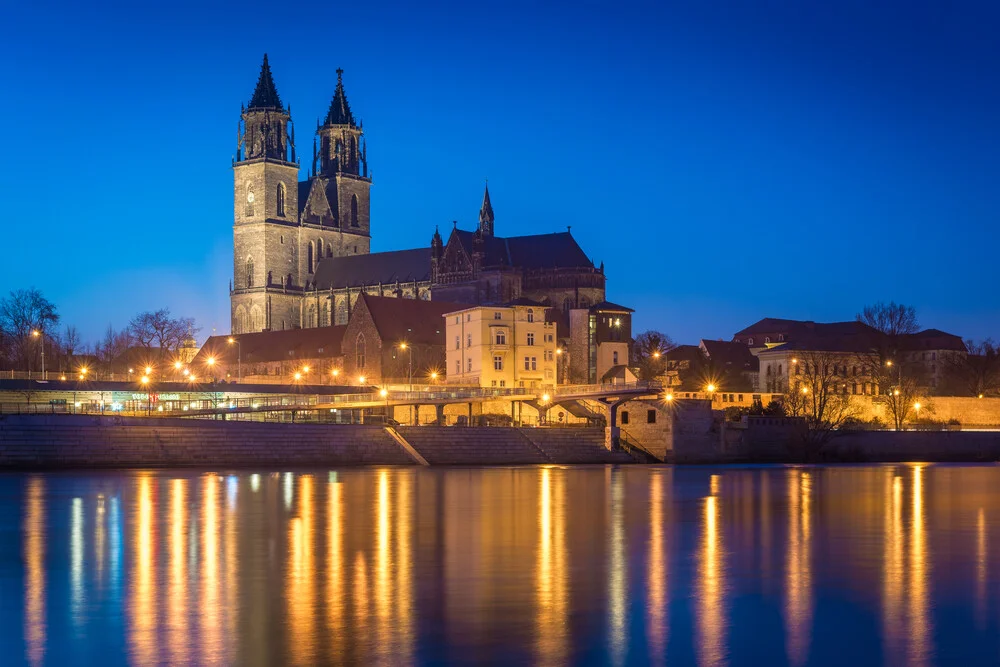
618, 571
34, 557
404, 576
981, 569
920, 629
211, 628
656, 606
383, 592
893, 574
335, 570
711, 606
177, 591
550, 570
301, 602
798, 580
143, 637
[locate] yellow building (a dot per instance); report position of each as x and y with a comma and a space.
507, 346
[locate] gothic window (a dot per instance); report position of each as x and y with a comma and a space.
309, 257
584, 302
256, 319
567, 304
311, 320
319, 251
288, 282
329, 251
354, 211
360, 352
270, 277
250, 272
281, 199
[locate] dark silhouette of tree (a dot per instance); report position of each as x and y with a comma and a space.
21, 313
976, 373
649, 353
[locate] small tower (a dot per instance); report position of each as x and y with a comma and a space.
437, 250
265, 206
486, 214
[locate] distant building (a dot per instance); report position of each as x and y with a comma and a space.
273, 356
599, 339
511, 346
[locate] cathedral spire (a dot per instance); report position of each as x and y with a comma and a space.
486, 214
265, 96
340, 110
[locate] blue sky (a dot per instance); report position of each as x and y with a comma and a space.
726, 161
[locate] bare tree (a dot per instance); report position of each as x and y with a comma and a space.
974, 374
24, 311
891, 319
818, 392
157, 329
112, 350
648, 350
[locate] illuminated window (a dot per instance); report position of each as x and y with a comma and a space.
281, 199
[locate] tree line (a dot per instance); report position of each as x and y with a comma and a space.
30, 327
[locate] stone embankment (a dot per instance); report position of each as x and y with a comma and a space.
76, 441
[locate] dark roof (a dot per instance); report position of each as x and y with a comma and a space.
607, 305
850, 336
524, 301
728, 353
375, 268
340, 110
932, 339
684, 353
262, 346
773, 325
414, 321
265, 95
540, 251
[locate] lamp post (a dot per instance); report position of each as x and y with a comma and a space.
409, 374
711, 392
41, 339
385, 394
239, 358
149, 400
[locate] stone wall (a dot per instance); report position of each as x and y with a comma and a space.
66, 441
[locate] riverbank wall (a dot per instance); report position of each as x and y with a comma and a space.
79, 441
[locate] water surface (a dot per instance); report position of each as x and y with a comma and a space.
850, 565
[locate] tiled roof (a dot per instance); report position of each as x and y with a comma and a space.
265, 346
265, 95
735, 355
375, 268
540, 251
413, 321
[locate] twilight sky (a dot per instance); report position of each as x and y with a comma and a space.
726, 160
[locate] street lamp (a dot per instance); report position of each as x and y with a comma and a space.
41, 339
434, 376
149, 399
361, 379
711, 391
335, 372
409, 375
239, 357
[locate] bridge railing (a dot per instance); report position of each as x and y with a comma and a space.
602, 388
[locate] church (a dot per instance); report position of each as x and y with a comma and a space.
302, 249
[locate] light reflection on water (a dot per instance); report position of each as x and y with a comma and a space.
542, 565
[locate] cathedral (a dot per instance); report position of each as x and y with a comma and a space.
302, 249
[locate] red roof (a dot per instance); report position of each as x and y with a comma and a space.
413, 321
287, 345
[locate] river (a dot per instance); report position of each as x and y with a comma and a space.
766, 565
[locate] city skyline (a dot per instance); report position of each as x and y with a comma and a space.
747, 167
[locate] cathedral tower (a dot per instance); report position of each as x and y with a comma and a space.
267, 286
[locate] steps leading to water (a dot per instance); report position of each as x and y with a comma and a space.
575, 445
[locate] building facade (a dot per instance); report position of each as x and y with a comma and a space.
511, 346
598, 344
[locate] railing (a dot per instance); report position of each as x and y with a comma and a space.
636, 450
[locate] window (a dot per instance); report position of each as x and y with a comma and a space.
468, 317
650, 416
458, 367
534, 363
319, 251
281, 199
354, 211
531, 338
584, 302
498, 363
494, 383
624, 416
497, 315
933, 356
531, 315
360, 352
614, 357
500, 337
527, 363
749, 341
458, 343
457, 319
250, 272
779, 369
248, 211
468, 340
567, 305
781, 338
468, 364
309, 257
503, 383
767, 339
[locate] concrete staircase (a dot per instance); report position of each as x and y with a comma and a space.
472, 446
574, 445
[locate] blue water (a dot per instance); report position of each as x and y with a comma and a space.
853, 565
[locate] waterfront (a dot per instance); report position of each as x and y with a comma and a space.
622, 565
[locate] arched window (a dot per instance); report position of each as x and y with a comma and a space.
289, 283
359, 349
329, 250
309, 257
281, 199
256, 319
584, 302
779, 369
270, 278
249, 271
319, 251
354, 210
311, 321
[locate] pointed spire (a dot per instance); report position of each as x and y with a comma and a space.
340, 110
486, 214
265, 96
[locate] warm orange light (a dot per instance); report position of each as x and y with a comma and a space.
361, 379
83, 371
545, 398
669, 397
889, 362
656, 355
131, 370
980, 396
383, 393
916, 406
187, 372
232, 340
402, 346
805, 390
298, 376
895, 392
795, 361
63, 377
434, 376
192, 378
149, 369
35, 334
305, 369
210, 361
335, 372
144, 380
559, 350
710, 388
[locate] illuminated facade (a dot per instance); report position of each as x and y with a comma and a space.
501, 346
